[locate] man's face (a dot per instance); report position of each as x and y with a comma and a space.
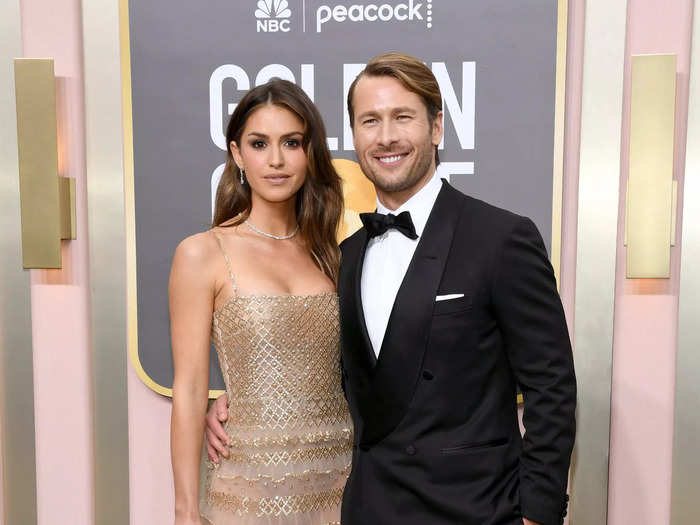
394, 140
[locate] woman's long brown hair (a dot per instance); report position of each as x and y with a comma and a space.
319, 202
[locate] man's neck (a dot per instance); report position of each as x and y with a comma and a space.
393, 200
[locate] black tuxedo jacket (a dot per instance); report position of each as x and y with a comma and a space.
436, 428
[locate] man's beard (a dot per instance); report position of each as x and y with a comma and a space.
416, 172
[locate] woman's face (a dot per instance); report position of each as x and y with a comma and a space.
272, 154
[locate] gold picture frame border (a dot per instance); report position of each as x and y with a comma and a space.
130, 218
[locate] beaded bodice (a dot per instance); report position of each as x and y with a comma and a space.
288, 422
279, 356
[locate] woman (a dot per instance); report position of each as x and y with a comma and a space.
261, 284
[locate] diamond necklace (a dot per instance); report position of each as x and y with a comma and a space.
271, 235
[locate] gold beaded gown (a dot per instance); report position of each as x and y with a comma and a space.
288, 423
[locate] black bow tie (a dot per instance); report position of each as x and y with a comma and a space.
378, 223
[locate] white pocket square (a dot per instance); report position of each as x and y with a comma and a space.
448, 296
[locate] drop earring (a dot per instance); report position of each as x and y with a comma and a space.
242, 175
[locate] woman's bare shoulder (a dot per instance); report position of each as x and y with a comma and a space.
231, 236
198, 249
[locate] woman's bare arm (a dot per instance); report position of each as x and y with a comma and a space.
191, 292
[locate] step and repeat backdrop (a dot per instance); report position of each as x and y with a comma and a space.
191, 62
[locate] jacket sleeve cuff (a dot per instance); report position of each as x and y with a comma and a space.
544, 512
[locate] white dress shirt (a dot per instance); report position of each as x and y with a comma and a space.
387, 258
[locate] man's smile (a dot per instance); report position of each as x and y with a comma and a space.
393, 159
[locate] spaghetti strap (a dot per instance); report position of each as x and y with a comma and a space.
228, 262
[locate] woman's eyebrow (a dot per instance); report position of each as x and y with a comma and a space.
264, 136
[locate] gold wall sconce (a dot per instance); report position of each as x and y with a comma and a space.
47, 201
651, 190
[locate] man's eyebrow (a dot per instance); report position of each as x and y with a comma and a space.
366, 114
394, 111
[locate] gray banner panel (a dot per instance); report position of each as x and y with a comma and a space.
495, 61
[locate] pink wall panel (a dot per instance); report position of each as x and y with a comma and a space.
62, 406
572, 140
642, 411
2, 476
62, 371
150, 474
646, 310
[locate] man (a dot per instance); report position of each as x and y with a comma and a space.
446, 304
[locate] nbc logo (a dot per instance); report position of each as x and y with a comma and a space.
273, 16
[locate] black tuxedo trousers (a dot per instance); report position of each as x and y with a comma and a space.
436, 429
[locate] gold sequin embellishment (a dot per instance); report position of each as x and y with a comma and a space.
288, 424
278, 505
285, 457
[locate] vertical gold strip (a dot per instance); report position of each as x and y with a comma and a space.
130, 214
559, 115
674, 211
129, 204
35, 91
105, 185
599, 181
650, 185
16, 366
66, 192
685, 503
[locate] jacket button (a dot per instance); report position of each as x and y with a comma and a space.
428, 375
410, 450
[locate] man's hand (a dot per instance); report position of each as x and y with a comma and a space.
217, 440
525, 520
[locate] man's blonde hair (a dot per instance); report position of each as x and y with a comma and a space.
413, 74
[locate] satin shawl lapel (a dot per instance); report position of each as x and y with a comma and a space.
401, 358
